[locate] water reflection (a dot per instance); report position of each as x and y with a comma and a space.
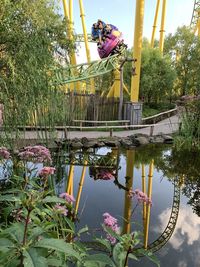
99, 188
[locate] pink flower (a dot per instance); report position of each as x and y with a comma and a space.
111, 222
4, 153
140, 196
67, 197
35, 154
47, 171
61, 209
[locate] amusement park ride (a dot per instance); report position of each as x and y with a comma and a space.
75, 76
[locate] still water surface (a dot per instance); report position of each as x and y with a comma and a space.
100, 196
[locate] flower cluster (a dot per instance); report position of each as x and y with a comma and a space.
4, 154
140, 196
36, 154
46, 171
67, 197
111, 222
61, 209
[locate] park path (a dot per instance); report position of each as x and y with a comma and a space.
167, 126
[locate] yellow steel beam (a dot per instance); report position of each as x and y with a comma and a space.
137, 47
146, 232
70, 179
80, 187
162, 27
82, 15
155, 24
144, 204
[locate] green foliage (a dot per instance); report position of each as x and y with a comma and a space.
155, 108
189, 135
184, 48
157, 76
31, 32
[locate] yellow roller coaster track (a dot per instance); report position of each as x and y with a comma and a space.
195, 15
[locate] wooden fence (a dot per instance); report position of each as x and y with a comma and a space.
91, 107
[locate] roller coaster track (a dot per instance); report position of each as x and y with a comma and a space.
92, 160
195, 14
85, 71
167, 233
80, 38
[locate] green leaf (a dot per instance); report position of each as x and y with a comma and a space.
54, 262
132, 256
54, 199
33, 259
98, 258
9, 198
105, 243
70, 223
58, 245
150, 256
5, 242
15, 231
112, 233
35, 232
83, 230
119, 255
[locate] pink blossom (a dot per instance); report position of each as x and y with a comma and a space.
140, 196
61, 209
67, 197
4, 153
35, 154
111, 222
47, 171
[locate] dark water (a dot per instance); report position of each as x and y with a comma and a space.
100, 196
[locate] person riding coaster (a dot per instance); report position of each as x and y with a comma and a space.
108, 37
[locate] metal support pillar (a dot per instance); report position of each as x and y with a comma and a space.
155, 23
162, 28
146, 232
137, 48
82, 15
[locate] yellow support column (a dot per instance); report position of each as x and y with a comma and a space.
162, 28
82, 15
68, 15
155, 24
144, 191
146, 232
70, 180
115, 88
80, 188
129, 183
137, 48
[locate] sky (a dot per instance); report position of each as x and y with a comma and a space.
122, 14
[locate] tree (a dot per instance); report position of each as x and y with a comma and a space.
157, 75
30, 33
184, 48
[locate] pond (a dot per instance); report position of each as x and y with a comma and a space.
174, 224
